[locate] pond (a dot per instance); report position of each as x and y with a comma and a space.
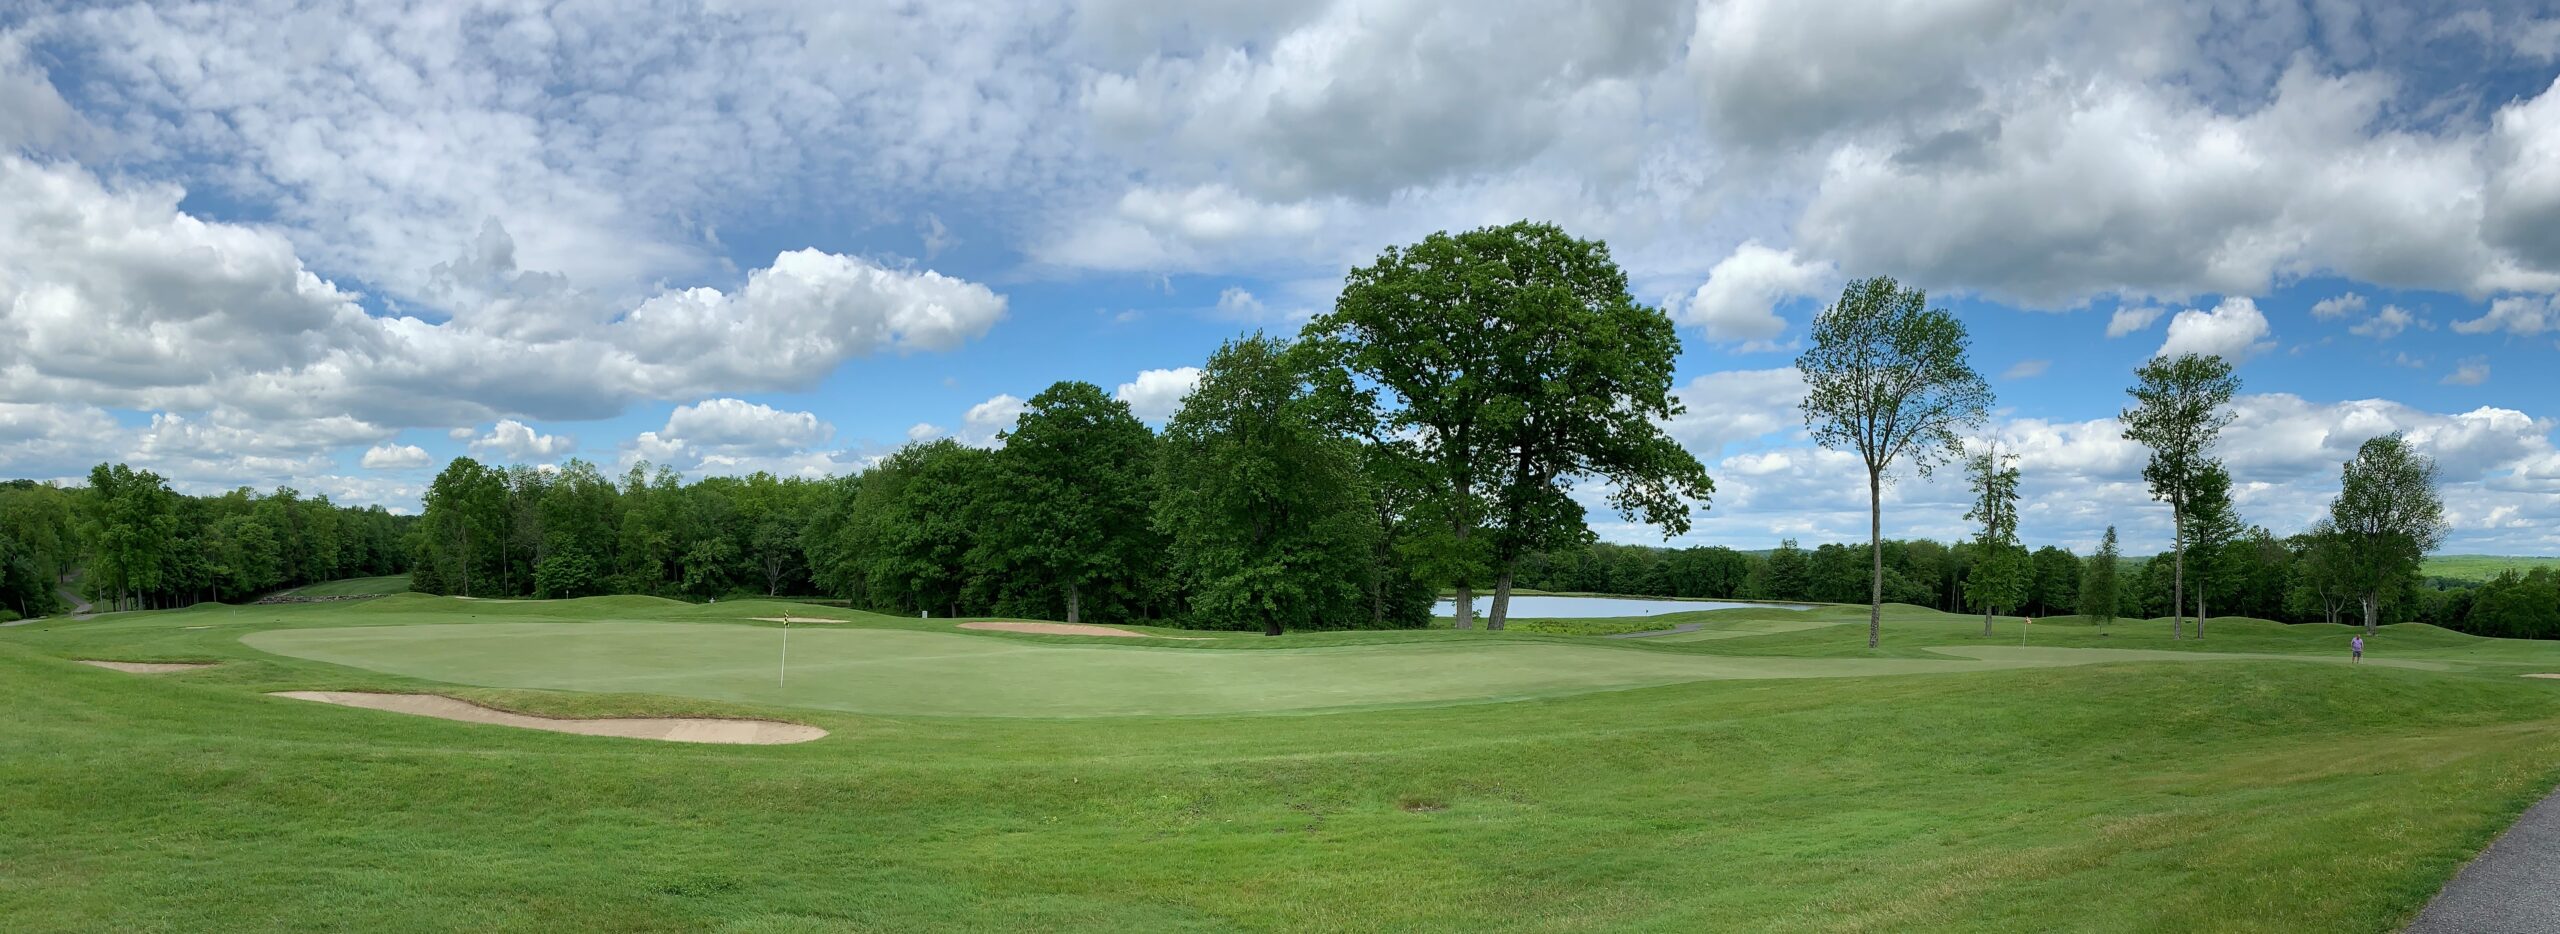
1529, 607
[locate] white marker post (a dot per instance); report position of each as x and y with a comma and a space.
786, 654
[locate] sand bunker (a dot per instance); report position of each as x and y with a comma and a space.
671, 729
1073, 629
147, 668
794, 619
2554, 675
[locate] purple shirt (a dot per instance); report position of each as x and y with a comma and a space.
2358, 644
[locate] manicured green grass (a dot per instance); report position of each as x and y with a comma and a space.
355, 587
2482, 567
2153, 794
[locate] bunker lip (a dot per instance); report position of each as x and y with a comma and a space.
667, 729
146, 668
1072, 629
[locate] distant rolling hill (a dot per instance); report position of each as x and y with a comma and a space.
2483, 567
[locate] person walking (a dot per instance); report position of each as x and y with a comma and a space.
2355, 650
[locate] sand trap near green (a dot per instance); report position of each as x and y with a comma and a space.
902, 672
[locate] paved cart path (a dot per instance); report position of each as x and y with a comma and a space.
2513, 887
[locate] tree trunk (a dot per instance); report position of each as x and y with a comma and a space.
1501, 603
2200, 613
2178, 573
1875, 554
1271, 624
2372, 611
1986, 619
1464, 610
1075, 603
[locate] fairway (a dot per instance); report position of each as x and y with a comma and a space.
901, 672
2098, 778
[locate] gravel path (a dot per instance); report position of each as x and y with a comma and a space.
2513, 887
1675, 630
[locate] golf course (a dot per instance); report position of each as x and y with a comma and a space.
1762, 771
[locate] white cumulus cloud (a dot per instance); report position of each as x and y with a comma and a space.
1739, 301
2129, 320
2233, 330
517, 442
394, 457
1156, 394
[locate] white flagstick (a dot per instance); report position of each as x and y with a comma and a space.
786, 654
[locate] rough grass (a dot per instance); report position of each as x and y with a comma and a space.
2240, 795
354, 587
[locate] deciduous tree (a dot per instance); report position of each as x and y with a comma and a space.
2213, 523
1265, 507
1887, 379
2000, 572
1069, 510
2102, 587
2178, 412
1513, 361
2387, 516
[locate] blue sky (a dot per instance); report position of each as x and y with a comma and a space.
332, 245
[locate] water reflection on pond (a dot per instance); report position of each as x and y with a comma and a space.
1531, 607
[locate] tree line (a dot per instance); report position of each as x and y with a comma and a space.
1424, 434
1888, 379
2257, 575
128, 541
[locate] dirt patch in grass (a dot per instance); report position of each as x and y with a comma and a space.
795, 619
147, 668
670, 729
1072, 629
2554, 675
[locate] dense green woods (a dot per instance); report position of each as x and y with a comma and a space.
1222, 522
129, 541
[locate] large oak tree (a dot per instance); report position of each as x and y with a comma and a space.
1507, 363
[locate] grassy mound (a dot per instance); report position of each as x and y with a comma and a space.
354, 587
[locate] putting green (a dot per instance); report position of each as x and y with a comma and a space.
903, 672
